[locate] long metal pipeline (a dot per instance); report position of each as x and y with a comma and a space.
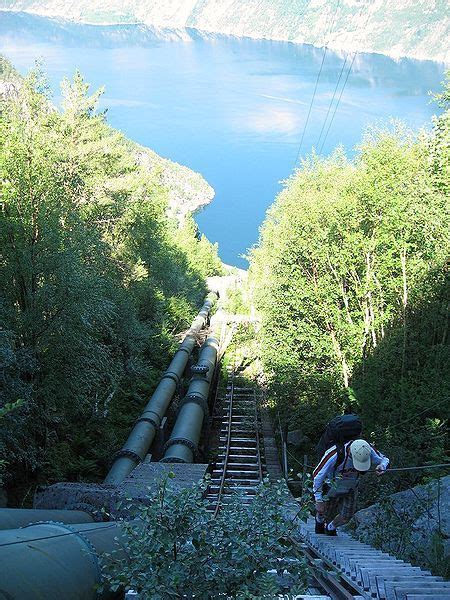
186, 433
12, 518
54, 560
61, 559
143, 433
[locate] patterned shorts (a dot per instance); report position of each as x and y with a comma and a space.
341, 505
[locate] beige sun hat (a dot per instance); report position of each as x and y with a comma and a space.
360, 452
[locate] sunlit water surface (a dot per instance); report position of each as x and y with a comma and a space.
232, 109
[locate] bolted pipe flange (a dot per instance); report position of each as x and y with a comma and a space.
195, 399
72, 531
155, 419
187, 350
127, 453
146, 420
184, 441
200, 369
171, 375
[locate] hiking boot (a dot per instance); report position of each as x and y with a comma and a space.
319, 527
331, 532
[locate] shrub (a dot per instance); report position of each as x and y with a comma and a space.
174, 548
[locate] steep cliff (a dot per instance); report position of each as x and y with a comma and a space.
187, 190
414, 28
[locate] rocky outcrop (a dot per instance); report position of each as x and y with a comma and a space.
414, 28
187, 190
413, 524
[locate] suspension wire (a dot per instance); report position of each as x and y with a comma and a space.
337, 85
399, 425
418, 468
333, 98
343, 88
338, 102
317, 83
388, 470
67, 533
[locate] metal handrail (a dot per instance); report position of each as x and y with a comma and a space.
258, 445
227, 451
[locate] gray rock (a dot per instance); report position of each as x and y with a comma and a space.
295, 437
423, 510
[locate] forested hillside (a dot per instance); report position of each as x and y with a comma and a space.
350, 278
416, 28
96, 279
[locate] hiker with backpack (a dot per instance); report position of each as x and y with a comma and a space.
336, 477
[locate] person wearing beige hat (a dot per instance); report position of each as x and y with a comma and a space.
336, 480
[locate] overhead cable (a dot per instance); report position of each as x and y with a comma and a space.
338, 82
317, 83
343, 88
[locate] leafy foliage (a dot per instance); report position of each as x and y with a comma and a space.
95, 280
352, 287
173, 548
7, 71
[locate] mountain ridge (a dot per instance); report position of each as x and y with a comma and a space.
412, 28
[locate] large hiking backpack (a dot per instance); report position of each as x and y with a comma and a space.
339, 430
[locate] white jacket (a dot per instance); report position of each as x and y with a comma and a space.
325, 470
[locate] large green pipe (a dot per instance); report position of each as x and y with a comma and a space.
143, 432
52, 560
13, 518
183, 442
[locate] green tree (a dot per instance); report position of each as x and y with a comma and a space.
349, 256
95, 276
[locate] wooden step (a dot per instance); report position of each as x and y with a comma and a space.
248, 489
236, 473
245, 466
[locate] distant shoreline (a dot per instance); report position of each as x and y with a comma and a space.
395, 55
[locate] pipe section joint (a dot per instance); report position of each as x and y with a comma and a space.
172, 375
200, 369
126, 453
196, 399
154, 419
184, 442
91, 551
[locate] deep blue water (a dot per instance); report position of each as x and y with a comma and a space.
232, 109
